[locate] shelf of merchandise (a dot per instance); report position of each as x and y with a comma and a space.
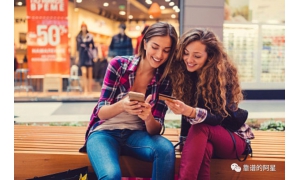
258, 50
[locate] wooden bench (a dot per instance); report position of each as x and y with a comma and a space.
43, 150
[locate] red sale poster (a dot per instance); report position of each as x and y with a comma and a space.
58, 8
47, 37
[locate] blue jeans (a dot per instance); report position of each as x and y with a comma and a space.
104, 148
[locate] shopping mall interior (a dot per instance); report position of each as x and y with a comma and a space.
252, 31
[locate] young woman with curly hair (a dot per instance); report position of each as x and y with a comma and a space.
205, 82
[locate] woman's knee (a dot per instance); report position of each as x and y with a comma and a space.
165, 146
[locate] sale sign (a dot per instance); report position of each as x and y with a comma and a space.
47, 47
47, 37
47, 8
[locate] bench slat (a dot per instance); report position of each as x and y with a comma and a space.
42, 150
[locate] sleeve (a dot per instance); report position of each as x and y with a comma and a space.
111, 48
201, 115
205, 116
95, 52
92, 40
110, 84
77, 42
160, 108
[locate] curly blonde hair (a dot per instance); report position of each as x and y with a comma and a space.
217, 83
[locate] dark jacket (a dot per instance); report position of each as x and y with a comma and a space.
211, 118
120, 46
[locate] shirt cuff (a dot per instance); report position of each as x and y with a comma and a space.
200, 116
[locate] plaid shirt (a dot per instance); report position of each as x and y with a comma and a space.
119, 79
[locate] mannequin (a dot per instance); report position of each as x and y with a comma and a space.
84, 59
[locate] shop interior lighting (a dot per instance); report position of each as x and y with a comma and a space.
78, 1
175, 7
19, 3
130, 17
122, 13
177, 10
171, 4
167, 0
148, 1
137, 27
173, 16
105, 4
162, 7
151, 17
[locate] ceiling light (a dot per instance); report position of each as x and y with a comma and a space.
171, 4
173, 16
175, 7
167, 0
177, 10
151, 17
105, 4
78, 1
19, 3
130, 16
148, 1
122, 13
162, 7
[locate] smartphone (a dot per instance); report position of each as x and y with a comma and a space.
136, 96
164, 97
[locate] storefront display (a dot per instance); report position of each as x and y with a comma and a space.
47, 38
258, 51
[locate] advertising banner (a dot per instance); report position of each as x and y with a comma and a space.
47, 37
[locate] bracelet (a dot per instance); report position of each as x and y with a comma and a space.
191, 112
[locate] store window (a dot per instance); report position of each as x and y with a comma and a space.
254, 36
36, 34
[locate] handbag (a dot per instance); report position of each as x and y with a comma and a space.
247, 151
74, 174
235, 120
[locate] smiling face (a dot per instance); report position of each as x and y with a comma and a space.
157, 50
194, 56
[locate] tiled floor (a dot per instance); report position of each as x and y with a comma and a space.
81, 111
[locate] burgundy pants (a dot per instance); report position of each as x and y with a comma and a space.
204, 142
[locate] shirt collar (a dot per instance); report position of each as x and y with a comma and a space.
134, 63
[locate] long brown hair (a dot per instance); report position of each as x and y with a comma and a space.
218, 81
161, 29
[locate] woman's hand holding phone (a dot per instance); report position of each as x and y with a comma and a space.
134, 103
145, 108
131, 107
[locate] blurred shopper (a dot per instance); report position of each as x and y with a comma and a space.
138, 42
119, 126
83, 58
100, 65
206, 83
121, 44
